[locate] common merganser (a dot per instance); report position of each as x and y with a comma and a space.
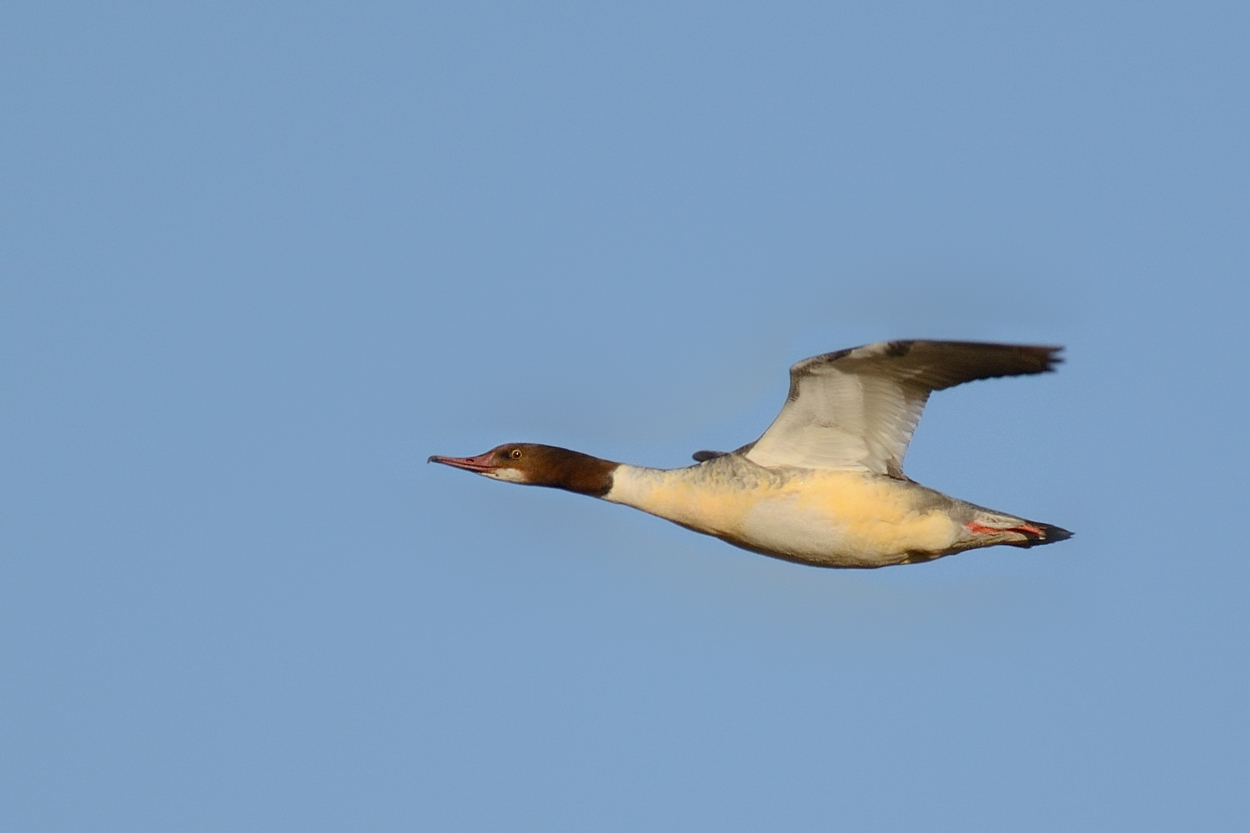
824, 485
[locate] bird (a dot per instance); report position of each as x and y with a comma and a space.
824, 485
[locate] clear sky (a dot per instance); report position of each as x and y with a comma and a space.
258, 261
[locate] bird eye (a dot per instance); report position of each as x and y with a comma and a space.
516, 454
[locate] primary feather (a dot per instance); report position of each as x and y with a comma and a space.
857, 409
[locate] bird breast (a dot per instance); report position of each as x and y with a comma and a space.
833, 517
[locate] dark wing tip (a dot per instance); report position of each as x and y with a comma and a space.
956, 362
933, 364
1037, 358
1052, 357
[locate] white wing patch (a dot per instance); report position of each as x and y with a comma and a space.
857, 409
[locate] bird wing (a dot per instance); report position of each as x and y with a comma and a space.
857, 408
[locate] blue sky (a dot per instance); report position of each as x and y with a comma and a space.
259, 262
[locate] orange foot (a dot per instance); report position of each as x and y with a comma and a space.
981, 529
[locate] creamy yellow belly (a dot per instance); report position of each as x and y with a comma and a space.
833, 518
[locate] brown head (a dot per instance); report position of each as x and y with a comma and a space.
540, 465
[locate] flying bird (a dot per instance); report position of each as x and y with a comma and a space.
824, 485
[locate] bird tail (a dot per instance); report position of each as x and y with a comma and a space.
1040, 533
1015, 532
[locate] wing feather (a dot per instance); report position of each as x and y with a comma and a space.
858, 408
